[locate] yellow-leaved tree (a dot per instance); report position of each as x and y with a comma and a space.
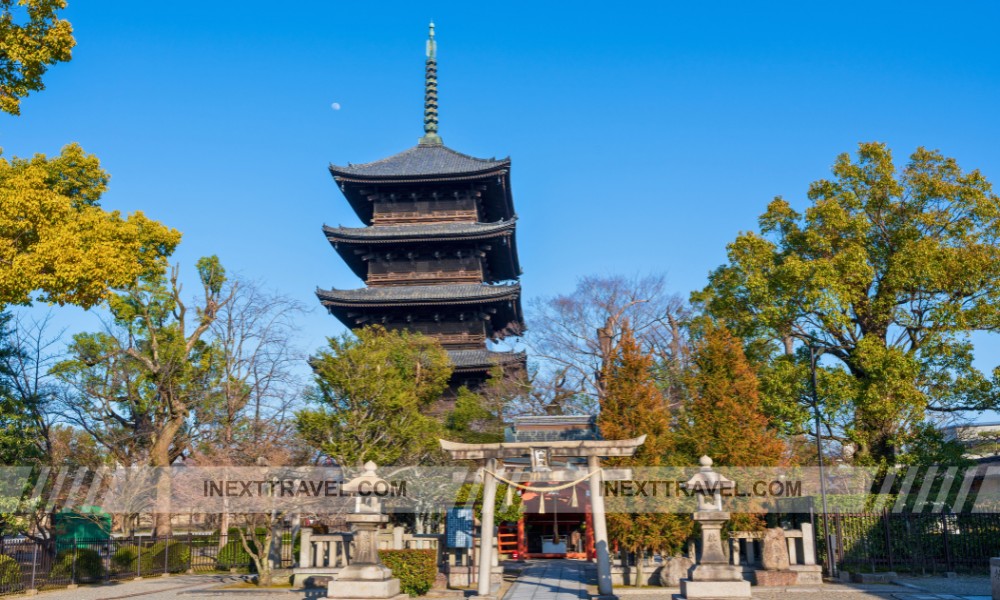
56, 242
32, 37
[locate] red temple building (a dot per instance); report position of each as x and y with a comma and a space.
437, 253
555, 524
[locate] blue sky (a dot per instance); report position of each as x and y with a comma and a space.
644, 137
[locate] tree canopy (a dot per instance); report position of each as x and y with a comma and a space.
633, 405
722, 417
32, 38
55, 238
373, 389
888, 270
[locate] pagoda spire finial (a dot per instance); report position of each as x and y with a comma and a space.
431, 137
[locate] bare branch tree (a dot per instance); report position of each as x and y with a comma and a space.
572, 336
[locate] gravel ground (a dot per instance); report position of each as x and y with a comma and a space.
185, 587
177, 587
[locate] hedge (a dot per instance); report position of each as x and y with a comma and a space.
416, 569
175, 554
177, 558
89, 566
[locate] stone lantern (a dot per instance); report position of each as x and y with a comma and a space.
712, 576
366, 577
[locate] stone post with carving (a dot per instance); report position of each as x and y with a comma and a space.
366, 577
712, 576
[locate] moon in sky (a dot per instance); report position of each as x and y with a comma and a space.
335, 106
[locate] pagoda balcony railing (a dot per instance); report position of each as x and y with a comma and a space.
424, 277
439, 216
460, 339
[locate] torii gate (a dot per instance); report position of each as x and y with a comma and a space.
490, 458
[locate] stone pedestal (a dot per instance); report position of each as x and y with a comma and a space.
807, 574
366, 576
782, 578
715, 589
713, 576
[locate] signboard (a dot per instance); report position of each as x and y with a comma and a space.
458, 528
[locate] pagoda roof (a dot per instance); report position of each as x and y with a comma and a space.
416, 295
426, 166
484, 360
421, 162
351, 306
434, 232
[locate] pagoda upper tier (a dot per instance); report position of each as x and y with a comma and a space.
429, 253
436, 184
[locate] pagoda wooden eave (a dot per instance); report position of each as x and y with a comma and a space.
497, 197
503, 302
561, 449
501, 257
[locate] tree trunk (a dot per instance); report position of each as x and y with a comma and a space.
224, 524
640, 558
263, 559
159, 459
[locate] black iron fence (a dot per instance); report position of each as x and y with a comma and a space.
27, 564
912, 542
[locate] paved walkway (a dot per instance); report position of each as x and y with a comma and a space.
553, 580
568, 580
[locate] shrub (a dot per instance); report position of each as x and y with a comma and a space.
10, 573
123, 559
416, 569
232, 555
89, 566
152, 558
174, 555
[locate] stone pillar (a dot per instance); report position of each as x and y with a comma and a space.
793, 553
305, 548
486, 533
604, 587
808, 544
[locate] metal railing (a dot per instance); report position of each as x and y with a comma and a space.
27, 564
914, 542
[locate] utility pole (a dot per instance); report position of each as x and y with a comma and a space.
830, 563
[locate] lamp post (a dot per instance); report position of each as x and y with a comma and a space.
813, 355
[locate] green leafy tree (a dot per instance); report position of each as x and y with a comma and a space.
56, 239
473, 420
372, 389
136, 384
888, 270
32, 38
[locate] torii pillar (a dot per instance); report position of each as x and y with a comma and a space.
492, 456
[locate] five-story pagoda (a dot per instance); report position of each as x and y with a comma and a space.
438, 253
